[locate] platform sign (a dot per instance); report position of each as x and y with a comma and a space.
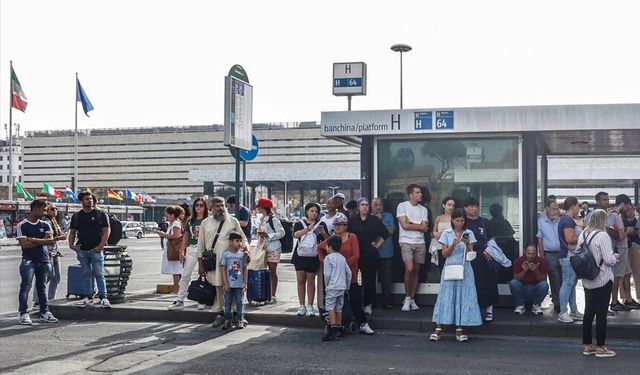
238, 109
444, 120
423, 120
349, 79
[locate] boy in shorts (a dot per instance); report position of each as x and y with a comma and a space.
234, 278
337, 277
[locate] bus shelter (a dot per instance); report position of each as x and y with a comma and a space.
495, 154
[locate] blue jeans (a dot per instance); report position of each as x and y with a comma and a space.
92, 265
54, 281
524, 294
568, 287
233, 294
28, 269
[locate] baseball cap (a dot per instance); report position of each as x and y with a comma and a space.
340, 219
339, 195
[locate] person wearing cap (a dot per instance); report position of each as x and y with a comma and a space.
371, 234
338, 201
270, 231
350, 249
414, 223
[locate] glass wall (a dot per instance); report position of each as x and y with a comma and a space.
486, 169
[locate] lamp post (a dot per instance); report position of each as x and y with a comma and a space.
401, 48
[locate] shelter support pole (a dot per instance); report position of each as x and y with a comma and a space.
529, 194
366, 167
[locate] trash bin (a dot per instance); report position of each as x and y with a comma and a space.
117, 269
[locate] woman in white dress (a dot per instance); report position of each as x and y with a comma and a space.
174, 231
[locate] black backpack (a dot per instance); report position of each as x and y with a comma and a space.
583, 262
286, 242
116, 230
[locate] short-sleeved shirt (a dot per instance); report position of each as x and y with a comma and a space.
245, 215
548, 232
456, 256
194, 231
89, 227
615, 223
235, 265
565, 221
416, 215
386, 250
530, 278
39, 229
480, 228
328, 221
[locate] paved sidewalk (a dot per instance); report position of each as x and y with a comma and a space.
149, 306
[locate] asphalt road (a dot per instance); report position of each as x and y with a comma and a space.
147, 259
155, 348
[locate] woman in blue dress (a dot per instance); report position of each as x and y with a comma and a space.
457, 302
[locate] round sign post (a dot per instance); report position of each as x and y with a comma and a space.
248, 155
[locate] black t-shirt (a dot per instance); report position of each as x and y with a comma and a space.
481, 230
245, 215
39, 229
89, 227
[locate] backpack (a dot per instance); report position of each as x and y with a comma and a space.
286, 242
583, 262
116, 230
307, 244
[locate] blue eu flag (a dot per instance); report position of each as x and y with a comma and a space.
82, 97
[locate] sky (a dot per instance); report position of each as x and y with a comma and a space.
162, 63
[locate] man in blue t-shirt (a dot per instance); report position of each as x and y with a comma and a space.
244, 216
568, 236
33, 235
385, 252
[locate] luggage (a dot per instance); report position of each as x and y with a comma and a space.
259, 288
74, 281
201, 291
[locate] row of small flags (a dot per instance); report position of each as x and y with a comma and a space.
50, 190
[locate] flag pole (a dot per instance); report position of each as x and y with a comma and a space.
11, 187
75, 145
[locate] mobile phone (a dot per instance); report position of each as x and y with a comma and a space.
465, 236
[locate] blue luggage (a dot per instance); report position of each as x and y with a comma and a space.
74, 281
259, 288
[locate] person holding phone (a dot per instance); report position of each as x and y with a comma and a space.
529, 284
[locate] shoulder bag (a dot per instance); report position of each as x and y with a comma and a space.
308, 243
454, 272
173, 248
209, 255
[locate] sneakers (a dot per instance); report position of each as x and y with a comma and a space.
48, 317
217, 322
564, 317
536, 310
85, 302
368, 310
603, 352
302, 311
519, 310
201, 306
226, 325
176, 305
406, 306
620, 307
25, 320
576, 315
610, 312
633, 304
105, 303
413, 306
273, 300
240, 324
311, 311
364, 328
331, 334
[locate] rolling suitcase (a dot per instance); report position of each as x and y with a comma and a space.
74, 281
259, 288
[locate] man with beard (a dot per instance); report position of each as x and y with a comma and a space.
216, 228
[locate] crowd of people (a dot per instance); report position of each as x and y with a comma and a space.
342, 253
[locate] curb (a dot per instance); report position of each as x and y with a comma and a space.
410, 323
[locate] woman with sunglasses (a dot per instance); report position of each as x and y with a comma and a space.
190, 257
51, 217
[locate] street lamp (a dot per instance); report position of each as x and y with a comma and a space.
401, 48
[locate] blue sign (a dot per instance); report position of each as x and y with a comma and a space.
248, 155
444, 120
347, 82
423, 120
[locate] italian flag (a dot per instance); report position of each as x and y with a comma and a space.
18, 98
48, 189
21, 190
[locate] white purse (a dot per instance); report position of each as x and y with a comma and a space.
454, 272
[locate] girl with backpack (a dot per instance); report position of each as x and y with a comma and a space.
270, 231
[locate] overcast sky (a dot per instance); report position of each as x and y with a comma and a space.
157, 62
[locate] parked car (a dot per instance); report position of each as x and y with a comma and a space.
132, 229
150, 227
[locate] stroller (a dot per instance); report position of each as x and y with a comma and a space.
348, 320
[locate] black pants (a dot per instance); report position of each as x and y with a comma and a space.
355, 298
385, 270
596, 303
368, 269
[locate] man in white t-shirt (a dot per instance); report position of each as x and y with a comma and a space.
414, 222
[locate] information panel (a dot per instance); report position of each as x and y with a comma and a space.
238, 113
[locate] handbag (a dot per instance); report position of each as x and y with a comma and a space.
209, 257
454, 272
201, 291
173, 249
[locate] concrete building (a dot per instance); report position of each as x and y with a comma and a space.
4, 161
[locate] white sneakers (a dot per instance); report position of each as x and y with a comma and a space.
519, 310
201, 306
302, 310
176, 305
409, 304
564, 317
413, 305
576, 315
105, 303
25, 320
311, 311
364, 328
48, 318
536, 310
85, 302
368, 310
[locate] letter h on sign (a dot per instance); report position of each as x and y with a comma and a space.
395, 122
347, 68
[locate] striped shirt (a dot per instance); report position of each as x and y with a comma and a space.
601, 249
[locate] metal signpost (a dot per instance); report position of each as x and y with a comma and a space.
248, 156
349, 79
238, 117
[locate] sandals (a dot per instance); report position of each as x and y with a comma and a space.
460, 336
436, 335
489, 317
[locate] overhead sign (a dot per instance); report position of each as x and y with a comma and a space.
238, 109
253, 153
349, 78
423, 120
444, 120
